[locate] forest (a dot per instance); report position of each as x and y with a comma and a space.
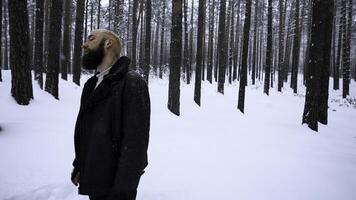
278, 43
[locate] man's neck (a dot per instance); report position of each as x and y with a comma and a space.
108, 61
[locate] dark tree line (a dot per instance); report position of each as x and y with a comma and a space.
269, 42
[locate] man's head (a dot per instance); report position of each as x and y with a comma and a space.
101, 44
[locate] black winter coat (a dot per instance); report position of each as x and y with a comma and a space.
112, 132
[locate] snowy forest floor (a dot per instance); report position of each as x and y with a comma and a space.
212, 152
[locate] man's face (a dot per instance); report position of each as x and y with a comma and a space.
93, 51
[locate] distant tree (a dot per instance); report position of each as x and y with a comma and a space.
67, 19
79, 19
148, 40
269, 49
346, 47
175, 58
281, 44
296, 50
21, 87
161, 60
191, 44
316, 98
186, 37
254, 65
98, 16
6, 37
243, 76
38, 59
0, 41
54, 51
134, 33
211, 41
199, 65
222, 49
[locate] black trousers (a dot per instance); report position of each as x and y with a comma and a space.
98, 197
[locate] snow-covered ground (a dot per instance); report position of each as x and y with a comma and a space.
208, 153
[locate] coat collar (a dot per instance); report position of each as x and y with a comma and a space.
92, 97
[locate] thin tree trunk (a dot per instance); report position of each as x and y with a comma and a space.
66, 39
243, 77
175, 58
78, 41
198, 73
162, 40
269, 49
38, 59
222, 49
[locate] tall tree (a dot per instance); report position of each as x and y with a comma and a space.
253, 74
337, 62
38, 59
199, 65
161, 60
21, 83
211, 41
191, 44
79, 19
118, 17
6, 33
1, 66
186, 47
281, 44
346, 47
175, 58
316, 98
54, 51
134, 33
66, 39
231, 38
98, 16
296, 49
243, 76
148, 40
222, 49
269, 49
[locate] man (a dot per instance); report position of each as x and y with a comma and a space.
112, 128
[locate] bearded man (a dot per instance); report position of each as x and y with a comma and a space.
112, 128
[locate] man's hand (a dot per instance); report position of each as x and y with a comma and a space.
75, 177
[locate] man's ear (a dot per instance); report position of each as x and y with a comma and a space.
108, 43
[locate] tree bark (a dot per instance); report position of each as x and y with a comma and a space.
175, 58
21, 87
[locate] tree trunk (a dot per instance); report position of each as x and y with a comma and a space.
191, 41
38, 59
175, 58
211, 41
54, 52
21, 87
134, 34
346, 48
162, 40
222, 49
198, 72
148, 40
78, 41
281, 44
316, 98
66, 39
253, 74
269, 49
98, 16
243, 76
296, 49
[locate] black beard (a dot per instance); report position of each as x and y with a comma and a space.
93, 58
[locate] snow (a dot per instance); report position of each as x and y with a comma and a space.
209, 152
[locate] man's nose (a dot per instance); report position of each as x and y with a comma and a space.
84, 45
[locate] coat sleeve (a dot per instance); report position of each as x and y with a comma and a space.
134, 143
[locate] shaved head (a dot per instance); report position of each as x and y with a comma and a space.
107, 34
